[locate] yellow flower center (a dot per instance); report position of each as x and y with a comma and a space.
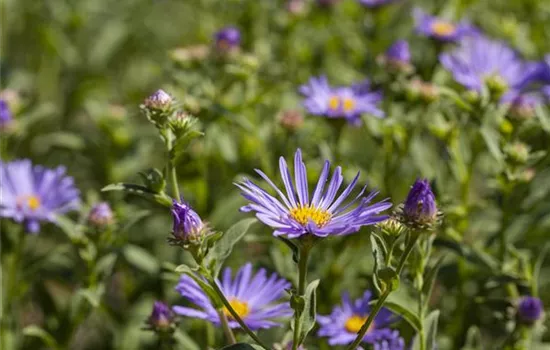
240, 307
334, 102
355, 322
443, 28
30, 201
349, 104
306, 213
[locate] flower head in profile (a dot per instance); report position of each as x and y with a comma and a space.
227, 39
480, 61
323, 214
187, 225
342, 325
341, 102
5, 114
162, 318
255, 298
33, 194
420, 208
101, 215
530, 309
398, 56
440, 28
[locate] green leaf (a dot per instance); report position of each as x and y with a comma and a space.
223, 247
379, 252
160, 198
537, 268
185, 341
242, 346
491, 138
473, 339
202, 283
404, 312
543, 117
93, 296
307, 317
105, 263
141, 259
47, 338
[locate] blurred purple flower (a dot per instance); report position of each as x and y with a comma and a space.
323, 215
341, 102
253, 297
375, 3
187, 224
399, 52
227, 39
523, 104
162, 317
345, 321
420, 206
5, 114
479, 60
530, 309
441, 29
32, 194
100, 214
159, 100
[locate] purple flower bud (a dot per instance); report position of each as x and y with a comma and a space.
227, 39
100, 215
159, 100
5, 114
530, 309
187, 224
399, 52
162, 317
420, 207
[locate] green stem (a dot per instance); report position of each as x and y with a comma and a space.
361, 334
171, 166
302, 277
226, 329
233, 313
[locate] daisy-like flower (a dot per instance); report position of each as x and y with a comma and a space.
440, 28
31, 194
255, 298
479, 61
345, 321
296, 214
341, 102
375, 3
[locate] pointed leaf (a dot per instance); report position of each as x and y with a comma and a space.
47, 338
430, 331
307, 317
141, 259
429, 279
160, 198
404, 312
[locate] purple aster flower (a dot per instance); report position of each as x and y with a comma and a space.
5, 114
345, 321
187, 224
255, 298
227, 39
530, 309
479, 60
100, 215
162, 318
32, 194
394, 342
375, 3
441, 29
341, 102
296, 214
420, 207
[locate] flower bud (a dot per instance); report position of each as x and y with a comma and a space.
162, 318
420, 209
291, 120
101, 215
530, 309
391, 227
158, 107
517, 152
397, 57
187, 225
497, 86
425, 91
296, 7
227, 40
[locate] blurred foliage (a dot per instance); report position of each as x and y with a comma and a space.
81, 69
